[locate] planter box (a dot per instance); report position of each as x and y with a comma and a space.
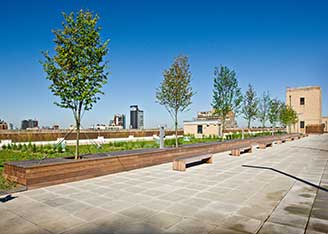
40, 173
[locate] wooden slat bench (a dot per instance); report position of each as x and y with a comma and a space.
238, 151
180, 164
264, 144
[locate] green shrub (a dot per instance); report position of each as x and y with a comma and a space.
40, 148
29, 146
13, 146
4, 147
34, 148
24, 148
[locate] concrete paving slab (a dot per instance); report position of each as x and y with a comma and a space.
222, 197
191, 226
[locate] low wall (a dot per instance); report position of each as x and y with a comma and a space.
315, 128
39, 173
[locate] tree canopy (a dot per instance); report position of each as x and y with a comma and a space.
250, 105
175, 91
77, 71
227, 95
288, 116
263, 108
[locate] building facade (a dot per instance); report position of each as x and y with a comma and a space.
208, 123
136, 117
3, 125
324, 120
230, 121
29, 124
201, 128
119, 121
306, 101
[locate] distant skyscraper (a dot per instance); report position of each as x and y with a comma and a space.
136, 117
119, 120
29, 124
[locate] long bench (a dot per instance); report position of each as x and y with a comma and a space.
242, 150
180, 164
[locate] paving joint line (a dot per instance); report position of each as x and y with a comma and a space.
307, 223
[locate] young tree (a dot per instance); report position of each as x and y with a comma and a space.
250, 105
175, 91
263, 108
226, 93
77, 70
274, 112
288, 116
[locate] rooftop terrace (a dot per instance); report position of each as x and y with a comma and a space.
222, 197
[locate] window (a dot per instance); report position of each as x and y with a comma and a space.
200, 129
302, 100
302, 124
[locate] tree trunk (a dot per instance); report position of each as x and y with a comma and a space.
223, 127
77, 150
249, 124
263, 126
176, 129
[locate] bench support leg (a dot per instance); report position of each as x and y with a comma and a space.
235, 152
210, 160
262, 146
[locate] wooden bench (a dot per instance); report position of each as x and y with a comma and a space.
238, 151
180, 164
264, 144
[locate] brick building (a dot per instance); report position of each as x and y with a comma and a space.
3, 125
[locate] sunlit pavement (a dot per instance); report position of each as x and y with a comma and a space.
222, 197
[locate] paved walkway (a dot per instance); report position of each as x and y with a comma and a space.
223, 197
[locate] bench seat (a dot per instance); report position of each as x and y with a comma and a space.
180, 164
264, 144
238, 151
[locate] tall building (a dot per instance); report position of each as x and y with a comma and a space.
3, 125
136, 117
306, 101
29, 124
119, 121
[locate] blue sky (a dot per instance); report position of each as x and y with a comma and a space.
272, 45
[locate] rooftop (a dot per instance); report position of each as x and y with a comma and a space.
303, 88
201, 121
222, 197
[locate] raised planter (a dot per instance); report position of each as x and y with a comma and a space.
39, 173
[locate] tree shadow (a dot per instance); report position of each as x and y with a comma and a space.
289, 175
7, 198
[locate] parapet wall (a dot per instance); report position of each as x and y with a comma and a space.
31, 136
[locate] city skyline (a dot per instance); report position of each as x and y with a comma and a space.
272, 46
